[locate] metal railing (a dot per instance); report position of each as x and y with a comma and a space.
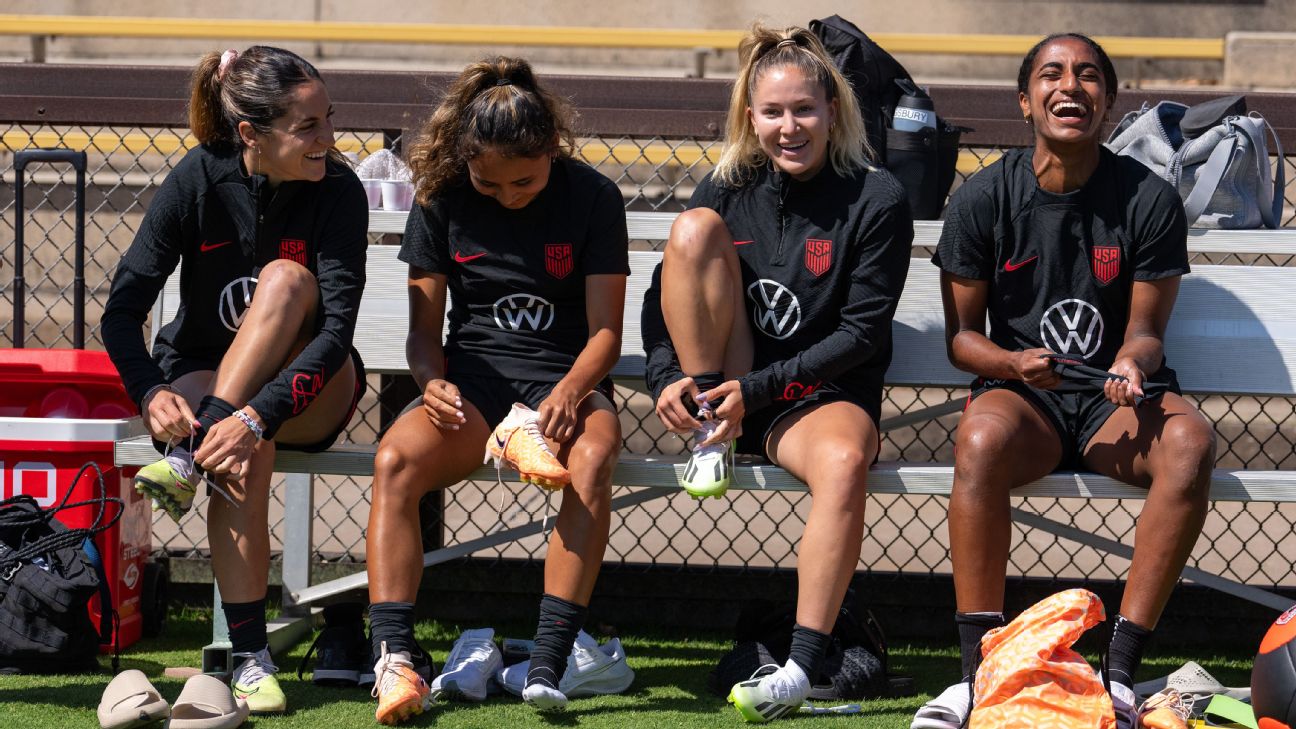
656, 138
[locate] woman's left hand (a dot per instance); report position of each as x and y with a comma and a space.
227, 448
1123, 392
558, 415
730, 412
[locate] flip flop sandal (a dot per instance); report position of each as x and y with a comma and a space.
206, 702
130, 701
948, 711
1191, 680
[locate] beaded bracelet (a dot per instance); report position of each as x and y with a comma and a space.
252, 425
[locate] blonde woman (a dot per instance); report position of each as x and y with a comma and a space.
768, 327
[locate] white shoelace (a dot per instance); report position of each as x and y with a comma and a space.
185, 467
708, 427
257, 667
387, 673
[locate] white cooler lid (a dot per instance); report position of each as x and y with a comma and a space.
70, 430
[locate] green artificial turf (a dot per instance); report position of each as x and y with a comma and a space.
669, 688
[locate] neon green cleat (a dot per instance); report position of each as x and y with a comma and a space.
254, 682
710, 468
168, 488
771, 696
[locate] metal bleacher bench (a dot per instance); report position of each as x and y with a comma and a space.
1231, 333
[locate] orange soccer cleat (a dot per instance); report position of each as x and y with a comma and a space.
400, 690
518, 443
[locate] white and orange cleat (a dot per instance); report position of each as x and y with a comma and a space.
400, 690
518, 443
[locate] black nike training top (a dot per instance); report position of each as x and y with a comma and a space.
823, 264
517, 277
221, 226
1061, 266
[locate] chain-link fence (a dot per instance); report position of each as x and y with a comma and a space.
754, 529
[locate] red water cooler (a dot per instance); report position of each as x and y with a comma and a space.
60, 408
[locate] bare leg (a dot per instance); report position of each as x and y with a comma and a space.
830, 447
1167, 447
414, 457
702, 297
1003, 442
581, 533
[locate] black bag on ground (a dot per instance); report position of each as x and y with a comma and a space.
923, 161
855, 667
46, 581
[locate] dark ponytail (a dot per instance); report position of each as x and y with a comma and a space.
493, 104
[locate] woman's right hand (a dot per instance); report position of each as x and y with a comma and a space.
443, 405
167, 415
670, 406
1035, 368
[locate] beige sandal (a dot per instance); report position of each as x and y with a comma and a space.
130, 701
206, 702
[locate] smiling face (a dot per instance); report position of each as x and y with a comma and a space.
298, 142
513, 181
792, 116
1066, 98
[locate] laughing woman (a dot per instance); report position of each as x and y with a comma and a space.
268, 226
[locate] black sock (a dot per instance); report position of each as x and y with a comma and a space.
393, 623
247, 625
809, 647
1125, 652
705, 382
972, 627
211, 410
560, 620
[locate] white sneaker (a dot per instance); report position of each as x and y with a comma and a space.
710, 468
947, 711
471, 666
771, 696
592, 670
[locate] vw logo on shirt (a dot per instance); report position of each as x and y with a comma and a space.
235, 300
775, 309
1072, 326
523, 311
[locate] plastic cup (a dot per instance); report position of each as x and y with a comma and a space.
397, 195
63, 402
373, 191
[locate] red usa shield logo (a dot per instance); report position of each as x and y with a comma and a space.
293, 249
1106, 263
818, 255
558, 259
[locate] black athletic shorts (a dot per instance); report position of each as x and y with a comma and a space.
494, 396
757, 426
179, 367
1076, 414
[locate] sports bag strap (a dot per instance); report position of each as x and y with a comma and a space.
1275, 207
1270, 200
1208, 179
108, 621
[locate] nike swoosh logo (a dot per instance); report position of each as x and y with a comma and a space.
461, 258
743, 242
500, 443
1009, 266
205, 247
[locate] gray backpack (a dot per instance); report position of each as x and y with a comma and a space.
1214, 154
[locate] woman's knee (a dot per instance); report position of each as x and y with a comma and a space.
283, 279
393, 468
983, 445
841, 472
1188, 450
697, 234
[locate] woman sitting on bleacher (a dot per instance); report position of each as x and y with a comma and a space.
532, 245
768, 326
1074, 255
268, 225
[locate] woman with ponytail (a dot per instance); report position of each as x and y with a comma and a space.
796, 227
268, 226
532, 244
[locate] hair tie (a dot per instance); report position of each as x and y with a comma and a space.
785, 42
503, 82
227, 58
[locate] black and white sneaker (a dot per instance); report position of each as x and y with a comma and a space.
341, 651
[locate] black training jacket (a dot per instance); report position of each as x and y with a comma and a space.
823, 265
221, 226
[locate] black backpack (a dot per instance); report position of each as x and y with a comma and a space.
924, 161
46, 581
